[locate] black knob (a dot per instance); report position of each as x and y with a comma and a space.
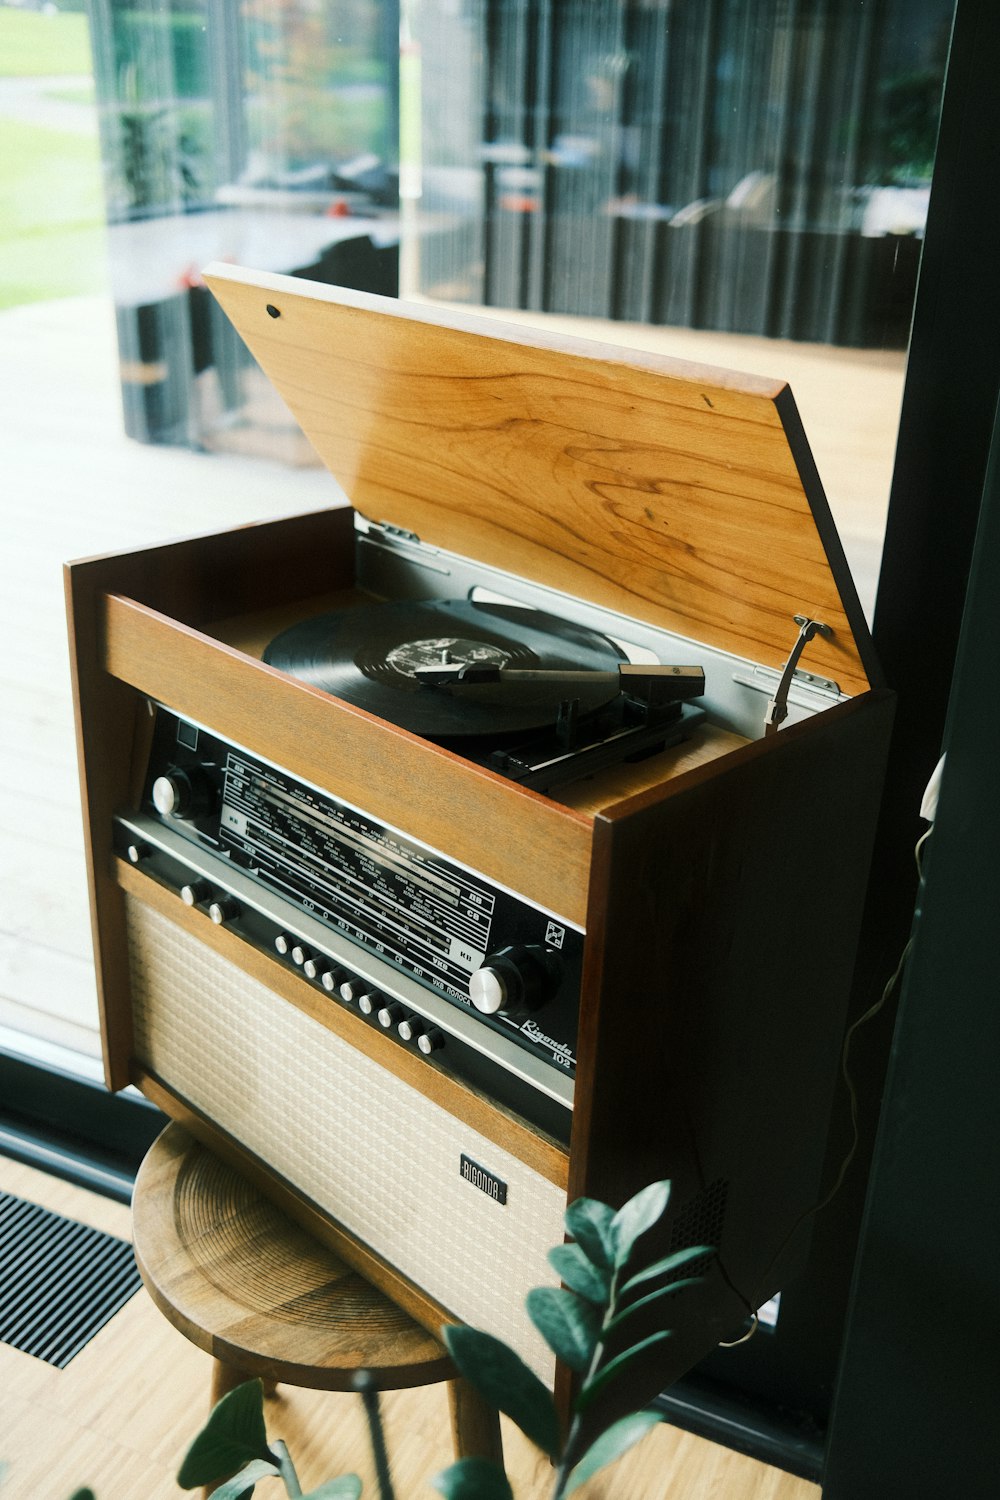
195, 892
389, 1014
514, 981
184, 792
430, 1041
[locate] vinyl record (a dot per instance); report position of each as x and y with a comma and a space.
368, 657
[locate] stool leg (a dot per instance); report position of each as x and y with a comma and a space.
226, 1378
475, 1424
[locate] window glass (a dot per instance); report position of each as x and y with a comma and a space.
739, 182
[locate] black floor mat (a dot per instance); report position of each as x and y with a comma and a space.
60, 1281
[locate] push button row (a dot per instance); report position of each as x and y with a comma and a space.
389, 1014
223, 909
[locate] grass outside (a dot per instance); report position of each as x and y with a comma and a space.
39, 46
52, 234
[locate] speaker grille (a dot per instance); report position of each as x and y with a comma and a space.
700, 1221
365, 1147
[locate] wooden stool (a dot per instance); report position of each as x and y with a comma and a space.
242, 1281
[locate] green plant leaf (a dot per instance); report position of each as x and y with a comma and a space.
233, 1435
664, 1267
636, 1216
615, 1366
611, 1445
568, 1325
347, 1487
473, 1479
664, 1291
589, 1223
579, 1272
505, 1380
242, 1483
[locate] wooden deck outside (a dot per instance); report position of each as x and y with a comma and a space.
74, 485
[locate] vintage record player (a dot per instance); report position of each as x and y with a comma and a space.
501, 835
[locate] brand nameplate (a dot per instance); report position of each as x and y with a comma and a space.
485, 1181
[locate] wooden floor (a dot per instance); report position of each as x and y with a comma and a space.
74, 485
121, 1414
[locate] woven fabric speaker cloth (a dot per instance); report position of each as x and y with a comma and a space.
367, 1148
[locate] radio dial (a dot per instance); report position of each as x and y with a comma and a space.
514, 981
195, 892
183, 793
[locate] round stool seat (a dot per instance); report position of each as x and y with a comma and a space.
246, 1284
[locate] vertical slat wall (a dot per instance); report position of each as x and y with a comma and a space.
699, 164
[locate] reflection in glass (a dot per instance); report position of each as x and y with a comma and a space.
247, 130
758, 166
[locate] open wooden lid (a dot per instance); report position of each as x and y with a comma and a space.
669, 492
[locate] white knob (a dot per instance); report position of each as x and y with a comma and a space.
487, 991
167, 795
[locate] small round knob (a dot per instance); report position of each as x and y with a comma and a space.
195, 892
299, 955
313, 967
430, 1041
410, 1029
137, 853
514, 981
283, 944
389, 1015
225, 909
183, 793
330, 980
368, 1003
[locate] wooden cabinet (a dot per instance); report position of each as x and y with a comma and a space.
718, 884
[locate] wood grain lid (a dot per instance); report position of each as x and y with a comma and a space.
670, 492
